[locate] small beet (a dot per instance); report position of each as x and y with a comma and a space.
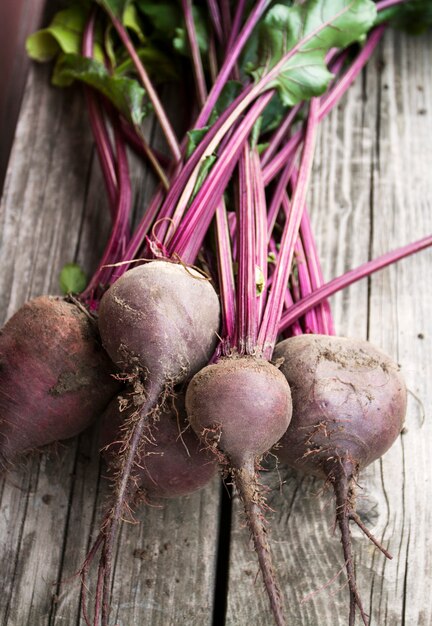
239, 408
241, 405
55, 378
349, 404
171, 462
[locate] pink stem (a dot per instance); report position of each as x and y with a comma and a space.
278, 195
311, 322
140, 233
229, 63
273, 311
302, 285
136, 142
189, 235
224, 124
284, 156
246, 285
295, 328
386, 4
280, 134
341, 87
226, 277
103, 147
323, 311
236, 24
232, 226
182, 181
215, 18
151, 92
100, 133
226, 18
335, 59
341, 282
113, 250
194, 48
260, 226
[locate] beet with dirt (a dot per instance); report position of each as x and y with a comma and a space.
55, 378
239, 408
159, 321
349, 405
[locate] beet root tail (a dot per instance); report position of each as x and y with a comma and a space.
343, 494
122, 491
246, 481
355, 518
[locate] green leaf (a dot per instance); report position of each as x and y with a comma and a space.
131, 21
256, 131
314, 27
262, 146
72, 279
415, 16
165, 17
64, 34
259, 280
273, 114
205, 168
228, 94
168, 22
194, 138
158, 64
109, 44
125, 93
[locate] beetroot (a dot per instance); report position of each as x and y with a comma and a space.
55, 379
171, 461
158, 323
349, 404
240, 407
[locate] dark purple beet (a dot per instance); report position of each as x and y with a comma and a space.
159, 324
239, 408
160, 320
241, 405
171, 462
349, 404
55, 378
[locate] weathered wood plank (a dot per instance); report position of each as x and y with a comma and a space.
53, 211
400, 302
371, 191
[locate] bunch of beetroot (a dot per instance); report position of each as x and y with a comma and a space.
191, 375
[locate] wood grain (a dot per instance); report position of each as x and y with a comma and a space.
371, 192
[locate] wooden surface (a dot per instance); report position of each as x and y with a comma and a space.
371, 191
